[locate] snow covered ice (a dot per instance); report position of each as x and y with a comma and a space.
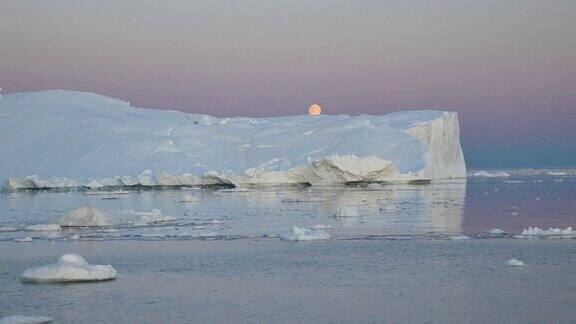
304, 234
69, 268
20, 319
119, 145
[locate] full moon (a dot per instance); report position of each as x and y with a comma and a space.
314, 109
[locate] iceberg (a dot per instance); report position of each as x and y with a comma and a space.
70, 139
69, 268
304, 234
20, 319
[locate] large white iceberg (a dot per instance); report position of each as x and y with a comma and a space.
65, 138
69, 268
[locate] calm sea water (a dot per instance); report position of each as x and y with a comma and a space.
391, 263
543, 198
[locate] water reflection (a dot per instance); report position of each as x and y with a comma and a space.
400, 209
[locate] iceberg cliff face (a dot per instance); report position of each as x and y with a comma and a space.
71, 139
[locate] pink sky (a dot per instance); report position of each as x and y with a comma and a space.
508, 67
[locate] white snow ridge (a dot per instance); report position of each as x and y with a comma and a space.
118, 145
69, 268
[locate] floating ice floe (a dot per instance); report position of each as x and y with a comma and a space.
557, 173
303, 199
69, 268
93, 217
496, 231
8, 229
189, 198
514, 262
551, 232
304, 234
486, 174
108, 193
43, 228
24, 239
346, 211
215, 221
320, 226
20, 319
460, 237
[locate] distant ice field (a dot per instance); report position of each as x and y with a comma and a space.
480, 207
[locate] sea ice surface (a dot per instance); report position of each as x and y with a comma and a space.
20, 319
304, 234
69, 268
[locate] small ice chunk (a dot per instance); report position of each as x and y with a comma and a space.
69, 268
198, 227
24, 239
43, 227
486, 174
551, 232
20, 319
346, 211
514, 262
497, 231
215, 221
8, 229
189, 198
304, 234
460, 237
320, 226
